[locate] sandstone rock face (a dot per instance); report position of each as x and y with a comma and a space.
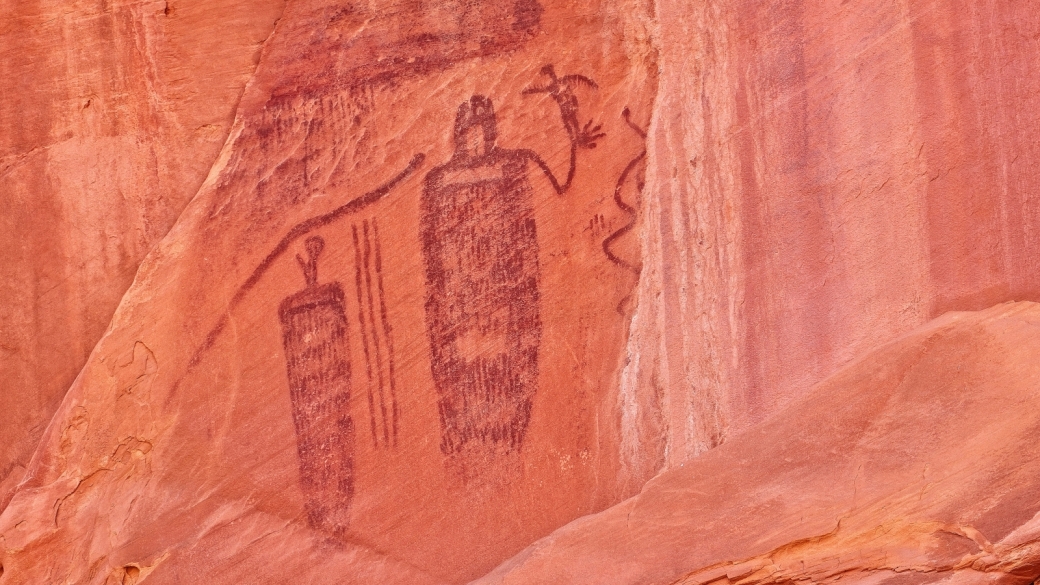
915, 464
456, 273
112, 115
383, 341
824, 175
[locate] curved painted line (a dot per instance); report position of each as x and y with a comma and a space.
299, 230
626, 114
631, 211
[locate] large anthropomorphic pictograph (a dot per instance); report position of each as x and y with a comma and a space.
480, 256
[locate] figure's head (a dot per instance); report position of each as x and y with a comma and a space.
475, 128
314, 246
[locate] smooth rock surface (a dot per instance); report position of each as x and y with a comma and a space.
914, 464
823, 176
111, 115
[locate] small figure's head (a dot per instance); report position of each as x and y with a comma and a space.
475, 128
314, 246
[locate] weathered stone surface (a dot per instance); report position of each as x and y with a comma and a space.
390, 340
382, 343
823, 175
111, 115
915, 464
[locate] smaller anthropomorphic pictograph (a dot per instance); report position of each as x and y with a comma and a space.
317, 354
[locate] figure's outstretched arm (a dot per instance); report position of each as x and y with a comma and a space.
586, 138
560, 189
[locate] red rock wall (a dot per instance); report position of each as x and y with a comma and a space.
111, 117
372, 345
825, 175
278, 387
913, 464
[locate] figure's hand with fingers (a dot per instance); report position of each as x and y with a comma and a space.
562, 91
589, 135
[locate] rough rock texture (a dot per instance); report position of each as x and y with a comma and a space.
915, 464
824, 175
413, 320
383, 341
111, 115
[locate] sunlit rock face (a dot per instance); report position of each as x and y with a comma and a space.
824, 176
390, 291
916, 463
384, 337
